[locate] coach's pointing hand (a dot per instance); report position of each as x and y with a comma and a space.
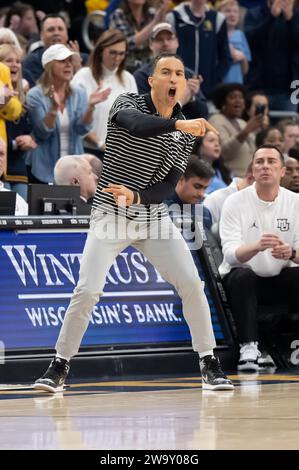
197, 127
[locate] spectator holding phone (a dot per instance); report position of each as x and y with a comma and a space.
237, 135
257, 103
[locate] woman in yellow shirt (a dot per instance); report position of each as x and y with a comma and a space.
10, 105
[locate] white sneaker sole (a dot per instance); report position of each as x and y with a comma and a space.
47, 388
217, 387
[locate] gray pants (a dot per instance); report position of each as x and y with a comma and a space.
170, 255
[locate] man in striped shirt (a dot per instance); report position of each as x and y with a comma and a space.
147, 148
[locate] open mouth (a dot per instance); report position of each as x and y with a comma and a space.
172, 92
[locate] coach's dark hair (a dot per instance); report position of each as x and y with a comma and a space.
270, 146
164, 55
198, 167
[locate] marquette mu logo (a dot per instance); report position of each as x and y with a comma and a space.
176, 135
283, 225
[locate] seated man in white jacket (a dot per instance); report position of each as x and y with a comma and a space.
21, 204
259, 230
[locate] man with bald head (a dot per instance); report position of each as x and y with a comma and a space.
75, 170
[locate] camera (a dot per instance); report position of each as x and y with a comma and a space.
260, 108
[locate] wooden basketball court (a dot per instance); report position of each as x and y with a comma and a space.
167, 413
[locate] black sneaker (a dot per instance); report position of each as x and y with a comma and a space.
212, 375
53, 379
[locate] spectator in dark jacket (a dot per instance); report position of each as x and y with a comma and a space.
203, 41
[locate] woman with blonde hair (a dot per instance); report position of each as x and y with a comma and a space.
10, 54
18, 131
7, 36
60, 112
106, 70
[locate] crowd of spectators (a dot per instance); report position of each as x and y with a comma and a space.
241, 64
242, 71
